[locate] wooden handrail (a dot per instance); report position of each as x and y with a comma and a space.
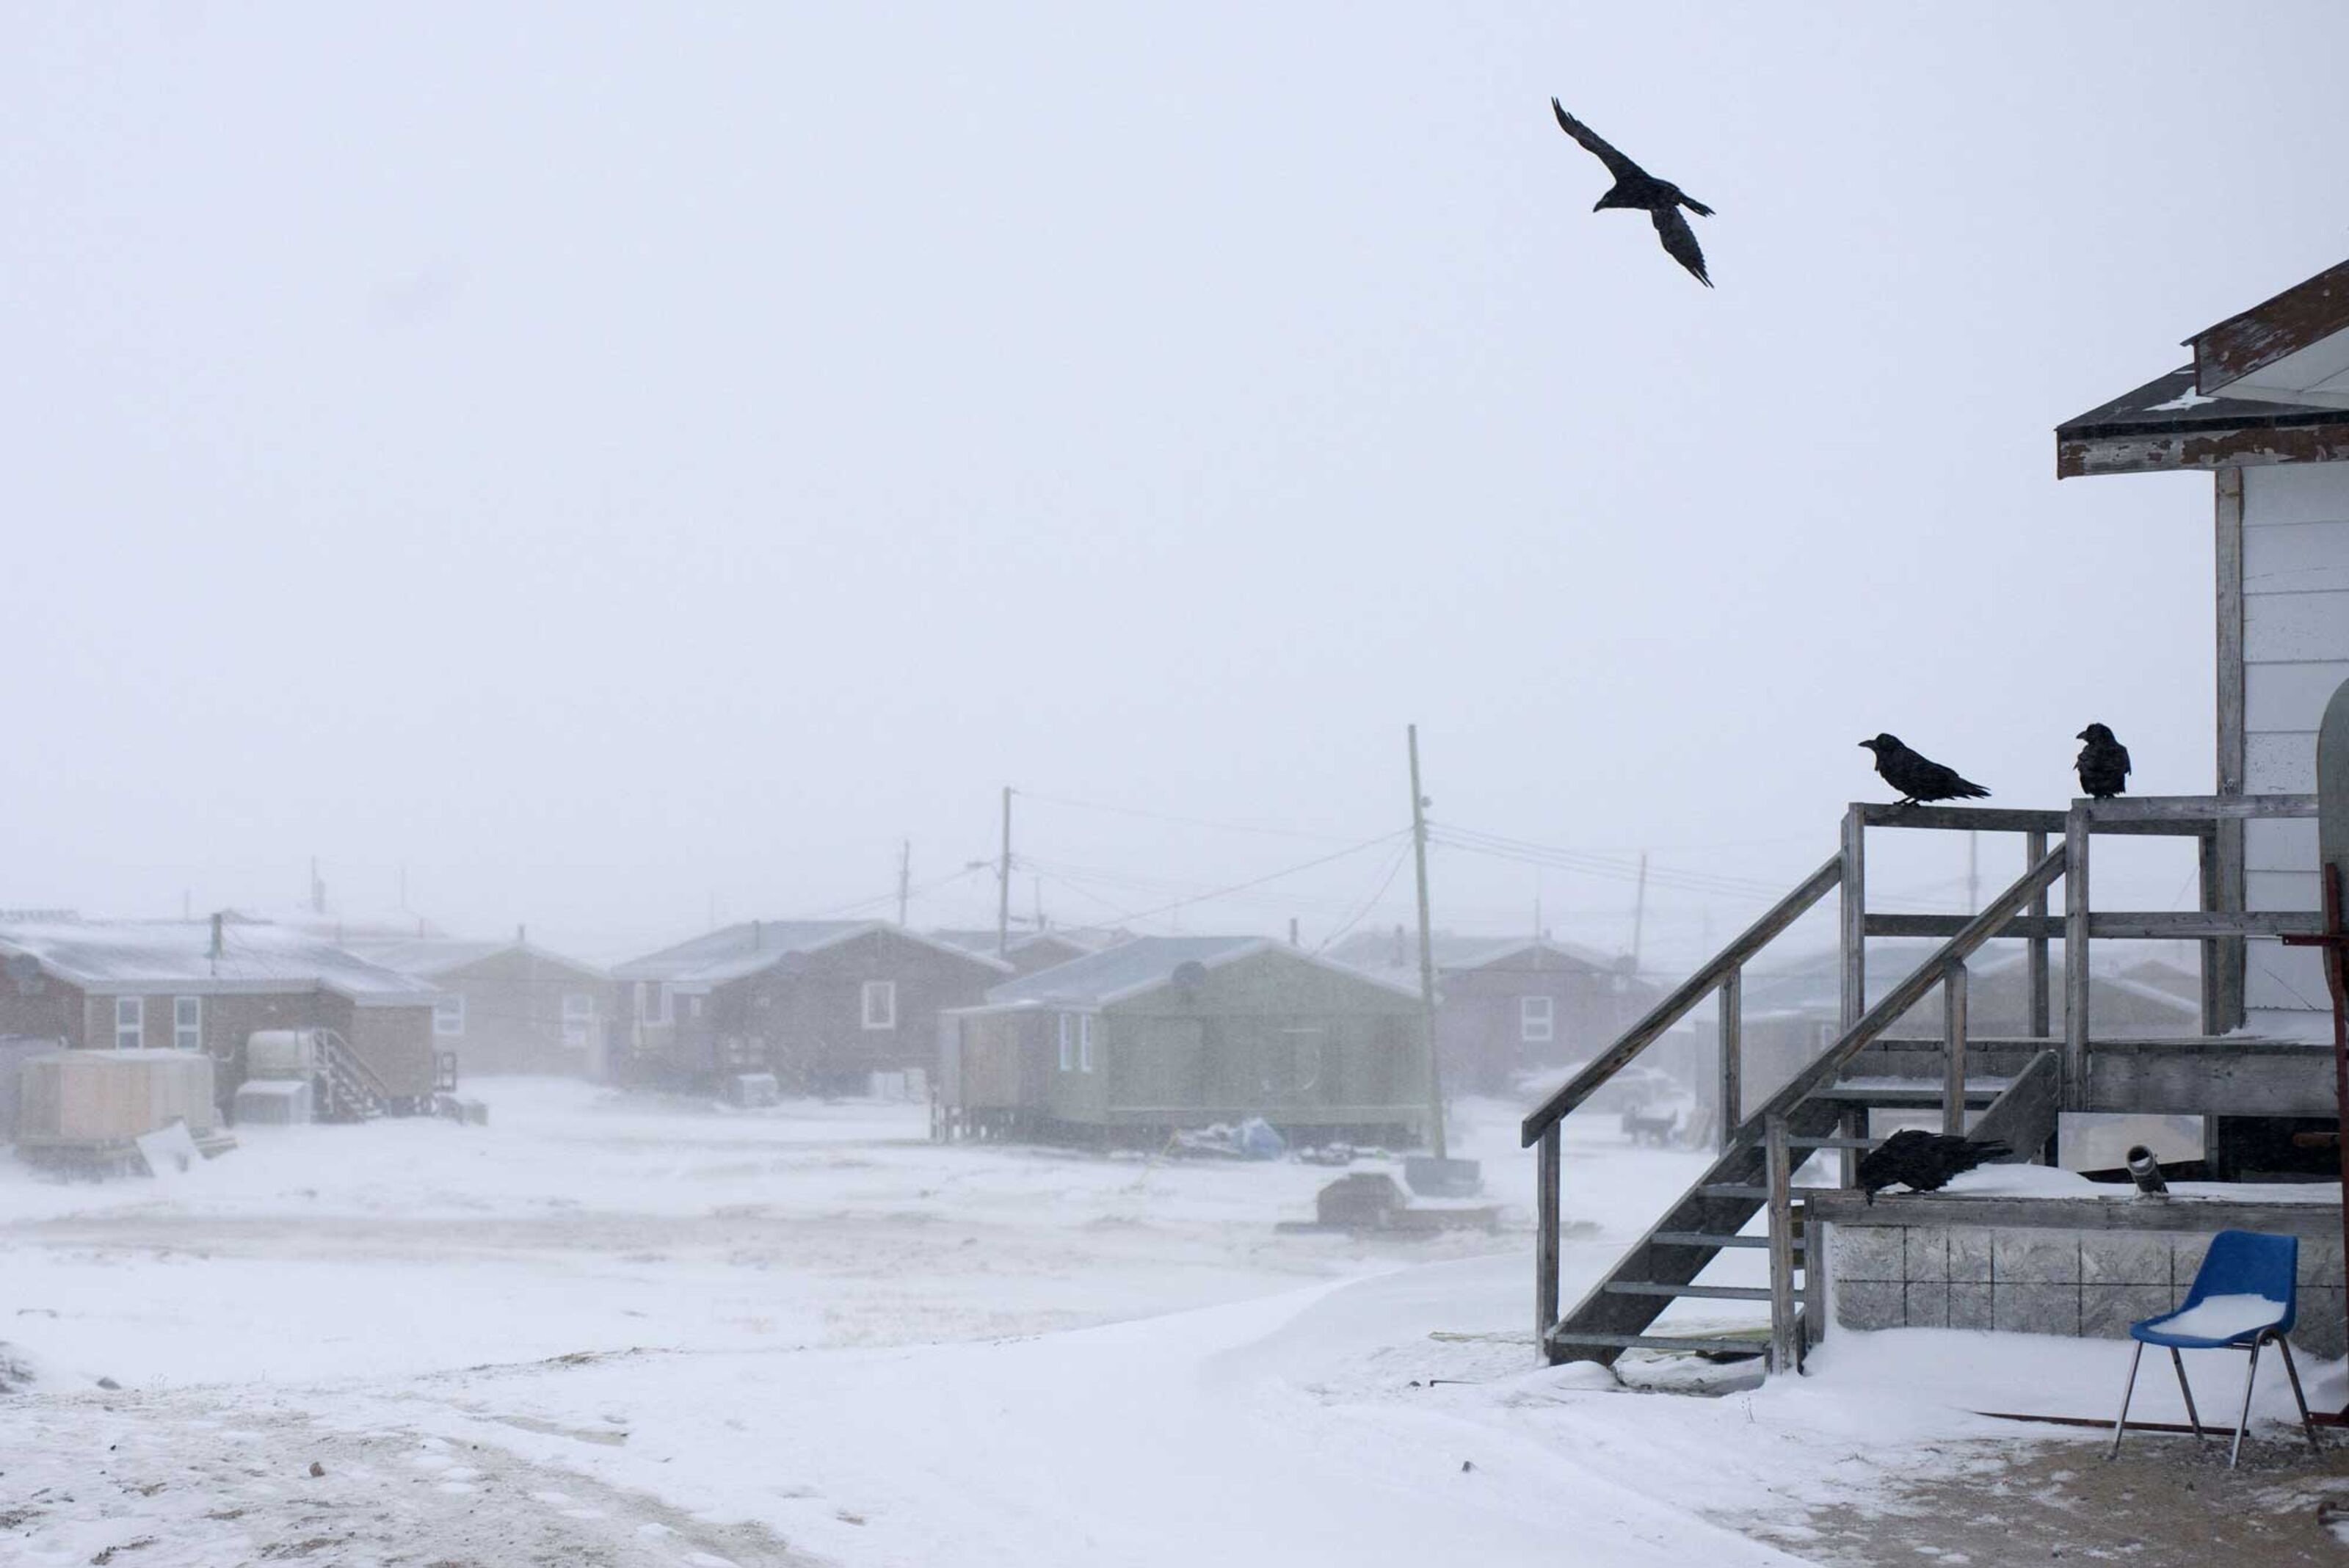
1913, 988
2182, 814
1684, 998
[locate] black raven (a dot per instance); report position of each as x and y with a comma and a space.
1923, 1161
1916, 778
1635, 187
2103, 762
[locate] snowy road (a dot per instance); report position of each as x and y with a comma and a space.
610, 1332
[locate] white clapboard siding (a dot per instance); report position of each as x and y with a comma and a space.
2295, 655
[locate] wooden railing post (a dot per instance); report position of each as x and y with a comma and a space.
2075, 957
1953, 1046
1546, 1197
1781, 1246
2042, 1013
1733, 1056
1852, 909
2214, 1021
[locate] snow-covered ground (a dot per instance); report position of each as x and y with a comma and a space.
604, 1330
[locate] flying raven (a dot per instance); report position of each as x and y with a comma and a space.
1923, 1161
1635, 187
2103, 762
1916, 778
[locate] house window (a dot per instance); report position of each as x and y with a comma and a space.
652, 1002
1068, 1042
188, 1023
693, 1007
880, 1004
578, 1018
1536, 1021
130, 1021
449, 1016
1085, 1043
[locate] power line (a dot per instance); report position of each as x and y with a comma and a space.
1394, 868
1613, 870
1135, 915
1185, 821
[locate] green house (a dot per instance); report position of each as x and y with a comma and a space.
1164, 1033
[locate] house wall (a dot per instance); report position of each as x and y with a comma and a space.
803, 1018
1479, 1018
2295, 655
1269, 1035
514, 1021
395, 1041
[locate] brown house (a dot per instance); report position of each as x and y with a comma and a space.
822, 1004
1506, 1006
209, 985
506, 1007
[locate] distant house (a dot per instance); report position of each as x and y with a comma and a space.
1028, 952
1506, 1006
822, 1004
208, 985
506, 1007
1164, 1032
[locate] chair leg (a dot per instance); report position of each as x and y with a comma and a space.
2292, 1371
2127, 1390
2192, 1416
2251, 1375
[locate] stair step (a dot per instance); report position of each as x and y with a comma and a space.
1707, 1238
1905, 1092
1754, 1348
1702, 1293
1761, 1194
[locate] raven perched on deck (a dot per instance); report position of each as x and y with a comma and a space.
1923, 1161
1635, 187
1916, 778
2103, 762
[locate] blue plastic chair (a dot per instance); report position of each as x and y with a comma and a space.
2239, 1263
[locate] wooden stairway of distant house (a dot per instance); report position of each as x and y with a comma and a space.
350, 1089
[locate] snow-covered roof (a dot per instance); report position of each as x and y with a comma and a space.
1146, 963
1376, 951
429, 956
971, 939
755, 945
175, 957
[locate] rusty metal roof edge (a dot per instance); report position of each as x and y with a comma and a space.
2279, 325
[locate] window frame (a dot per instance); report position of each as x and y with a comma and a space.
1527, 1019
1068, 1042
1085, 1043
440, 1029
887, 991
137, 1026
188, 1033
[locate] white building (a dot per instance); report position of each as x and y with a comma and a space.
2264, 409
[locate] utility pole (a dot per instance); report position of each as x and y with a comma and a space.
1426, 949
1003, 883
904, 876
1639, 911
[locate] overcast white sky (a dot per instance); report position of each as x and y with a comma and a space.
615, 460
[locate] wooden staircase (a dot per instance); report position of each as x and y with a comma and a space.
1826, 1104
1710, 1218
347, 1089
